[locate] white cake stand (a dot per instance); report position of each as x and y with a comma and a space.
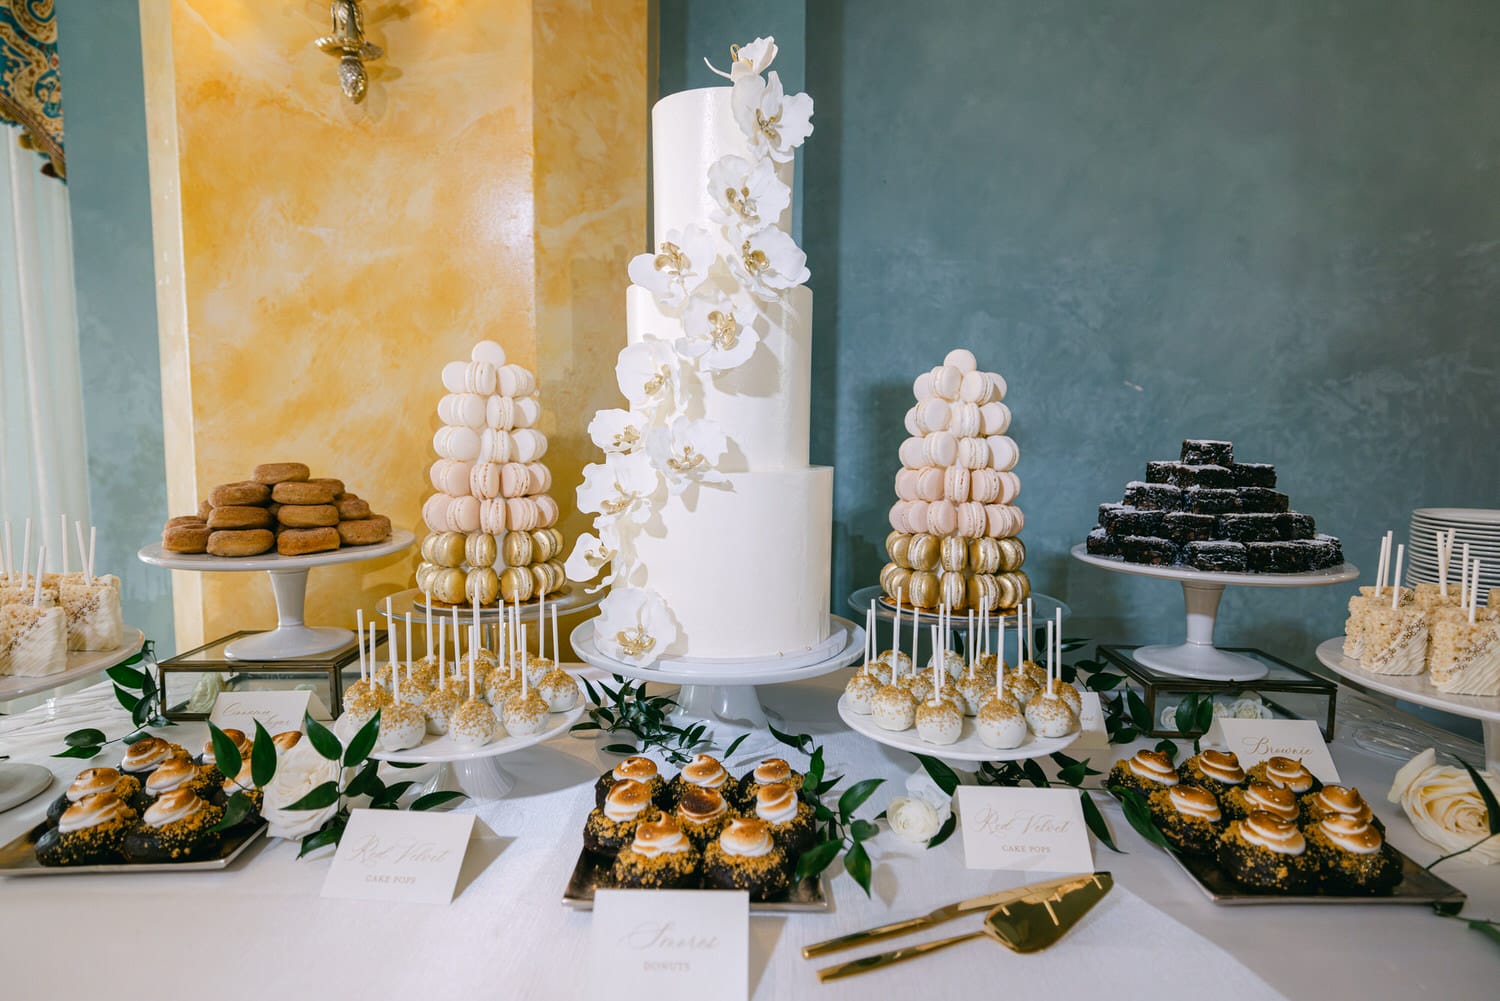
968, 747
572, 598
80, 664
1201, 591
724, 691
1044, 606
476, 770
1418, 689
291, 639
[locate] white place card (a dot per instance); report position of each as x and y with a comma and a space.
1042, 829
277, 711
665, 945
1255, 740
399, 855
1091, 722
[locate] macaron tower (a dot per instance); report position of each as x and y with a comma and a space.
954, 540
491, 522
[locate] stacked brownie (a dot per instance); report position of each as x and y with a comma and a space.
1208, 512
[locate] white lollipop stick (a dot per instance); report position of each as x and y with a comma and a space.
1385, 555
359, 637
82, 550
374, 667
524, 664
973, 650
1442, 563
458, 657
93, 538
1474, 593
390, 641
1051, 686
937, 664
541, 626
555, 647
427, 601
916, 630
1000, 664
36, 593
5, 551
26, 555
1030, 630
1059, 643
442, 654
62, 538
408, 641
476, 618
896, 629
1396, 590
1463, 579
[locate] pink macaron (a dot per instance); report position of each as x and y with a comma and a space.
913, 453
930, 484
546, 512
916, 516
435, 512
450, 476
940, 449
972, 520
492, 516
1004, 453
521, 513
463, 514
984, 486
515, 480
906, 484
999, 523
897, 516
973, 453
484, 480
932, 415
1010, 487
500, 412
956, 484
942, 518
963, 419
541, 477
496, 446
994, 418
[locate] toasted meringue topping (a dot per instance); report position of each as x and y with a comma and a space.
772, 770
1190, 801
1343, 800
747, 838
699, 805
705, 770
626, 800
776, 803
659, 837
1154, 766
243, 782
241, 743
1279, 802
1288, 772
637, 769
145, 754
171, 774
1273, 834
92, 810
173, 806
286, 740
1352, 834
92, 780
1221, 766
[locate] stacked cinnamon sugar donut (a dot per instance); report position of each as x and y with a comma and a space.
491, 521
955, 524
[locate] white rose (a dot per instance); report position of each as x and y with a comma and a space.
299, 772
1444, 806
913, 820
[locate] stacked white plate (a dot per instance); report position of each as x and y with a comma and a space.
1479, 527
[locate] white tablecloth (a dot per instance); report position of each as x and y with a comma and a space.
261, 927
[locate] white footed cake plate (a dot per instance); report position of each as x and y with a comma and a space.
968, 747
80, 664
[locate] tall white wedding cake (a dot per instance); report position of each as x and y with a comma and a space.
711, 529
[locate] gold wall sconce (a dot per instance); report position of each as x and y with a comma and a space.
347, 43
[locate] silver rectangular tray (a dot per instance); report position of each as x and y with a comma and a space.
18, 858
810, 896
1417, 886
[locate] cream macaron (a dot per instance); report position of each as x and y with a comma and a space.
961, 359
484, 480
930, 484
495, 445
456, 442
913, 453
963, 419
492, 516
911, 423
435, 512
450, 476
906, 483
973, 453
972, 520
528, 411
522, 514
984, 486
1010, 487
547, 511
916, 516
516, 381
1004, 453
956, 484
463, 514
994, 418
940, 449
921, 387
500, 412
465, 409
932, 415
942, 518
453, 376
530, 443
479, 377
946, 381
489, 351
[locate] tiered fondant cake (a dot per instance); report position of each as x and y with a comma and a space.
490, 524
954, 526
714, 527
1209, 512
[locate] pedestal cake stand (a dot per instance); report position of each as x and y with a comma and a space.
1201, 591
291, 638
476, 770
80, 664
968, 747
723, 691
570, 600
1418, 689
1044, 606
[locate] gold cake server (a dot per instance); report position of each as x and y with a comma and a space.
985, 903
1035, 918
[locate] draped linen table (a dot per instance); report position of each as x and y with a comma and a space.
261, 929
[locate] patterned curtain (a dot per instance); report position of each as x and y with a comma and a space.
30, 88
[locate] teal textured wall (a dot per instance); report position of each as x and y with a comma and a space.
104, 108
1272, 222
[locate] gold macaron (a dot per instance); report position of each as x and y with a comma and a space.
984, 593
448, 584
984, 555
519, 549
923, 552
924, 591
1012, 553
480, 550
955, 554
896, 546
482, 585
517, 584
954, 588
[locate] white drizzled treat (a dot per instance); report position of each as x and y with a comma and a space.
863, 684
36, 640
93, 615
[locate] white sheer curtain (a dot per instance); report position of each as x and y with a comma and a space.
43, 467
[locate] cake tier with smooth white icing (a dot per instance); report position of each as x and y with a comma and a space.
764, 405
690, 131
745, 570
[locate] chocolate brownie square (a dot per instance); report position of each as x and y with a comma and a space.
1210, 500
1323, 552
1153, 496
1146, 549
1262, 501
1260, 527
1161, 472
1186, 476
1183, 527
1298, 526
1121, 519
1277, 557
1254, 474
1204, 452
1099, 543
1221, 557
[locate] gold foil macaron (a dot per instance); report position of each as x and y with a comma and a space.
482, 585
984, 555
955, 555
925, 591
954, 588
517, 584
897, 545
1012, 553
923, 552
481, 550
449, 585
983, 593
518, 549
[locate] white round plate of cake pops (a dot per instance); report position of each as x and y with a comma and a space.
436, 749
968, 747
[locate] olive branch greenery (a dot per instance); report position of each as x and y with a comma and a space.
838, 831
627, 709
137, 691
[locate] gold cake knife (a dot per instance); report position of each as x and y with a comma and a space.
975, 904
1034, 919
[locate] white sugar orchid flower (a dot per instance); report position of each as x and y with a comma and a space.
619, 488
775, 122
634, 625
618, 430
719, 333
769, 263
679, 267
747, 193
591, 555
687, 453
748, 59
647, 373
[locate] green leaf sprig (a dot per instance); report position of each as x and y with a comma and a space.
137, 691
627, 709
839, 831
